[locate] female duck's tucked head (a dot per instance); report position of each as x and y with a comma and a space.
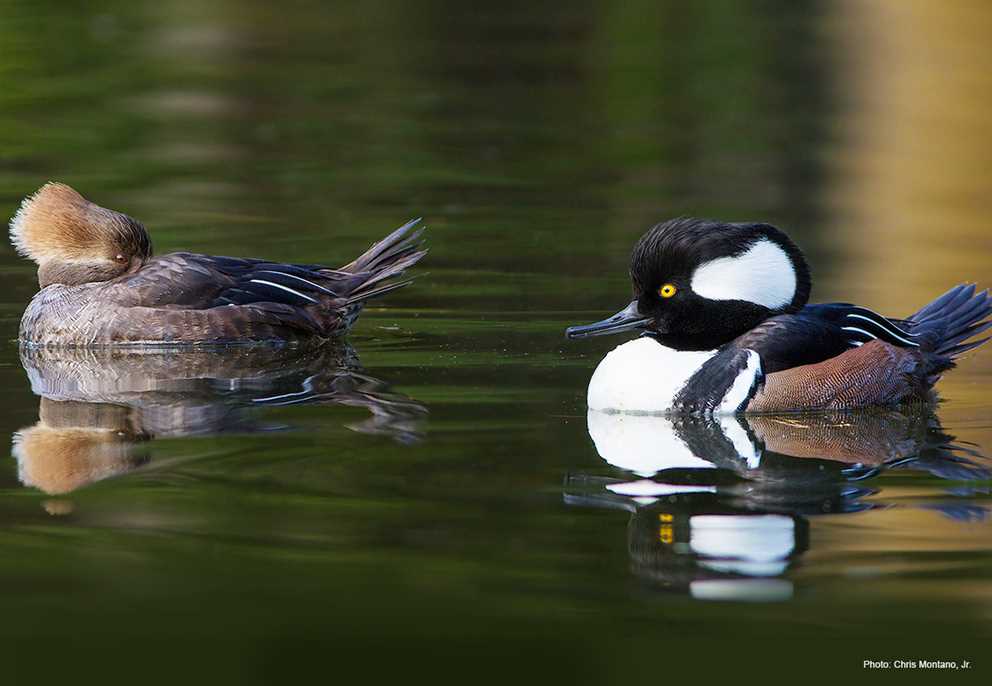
75, 241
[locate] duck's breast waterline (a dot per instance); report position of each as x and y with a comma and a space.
642, 376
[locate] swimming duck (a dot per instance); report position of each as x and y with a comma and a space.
100, 284
727, 329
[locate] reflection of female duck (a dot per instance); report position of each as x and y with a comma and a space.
719, 504
76, 443
98, 406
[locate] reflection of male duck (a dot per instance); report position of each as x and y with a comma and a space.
719, 505
98, 407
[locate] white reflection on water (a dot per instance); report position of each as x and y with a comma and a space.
721, 505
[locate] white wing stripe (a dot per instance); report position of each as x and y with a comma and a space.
285, 288
298, 278
857, 330
883, 328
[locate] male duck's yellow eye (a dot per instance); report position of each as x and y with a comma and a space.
668, 290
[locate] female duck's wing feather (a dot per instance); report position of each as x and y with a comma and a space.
184, 297
202, 281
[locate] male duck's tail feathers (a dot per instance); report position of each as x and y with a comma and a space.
387, 259
944, 328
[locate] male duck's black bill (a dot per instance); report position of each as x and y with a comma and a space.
627, 319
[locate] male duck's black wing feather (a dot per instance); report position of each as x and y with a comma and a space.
781, 342
942, 327
791, 340
858, 325
882, 372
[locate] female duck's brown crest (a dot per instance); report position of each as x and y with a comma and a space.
74, 240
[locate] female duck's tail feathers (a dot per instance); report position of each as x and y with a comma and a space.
945, 327
387, 259
399, 242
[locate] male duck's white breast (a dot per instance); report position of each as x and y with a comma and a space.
642, 376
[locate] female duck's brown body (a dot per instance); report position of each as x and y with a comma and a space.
101, 285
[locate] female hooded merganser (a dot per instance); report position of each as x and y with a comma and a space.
100, 284
99, 407
727, 330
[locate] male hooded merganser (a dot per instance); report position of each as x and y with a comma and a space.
100, 284
727, 330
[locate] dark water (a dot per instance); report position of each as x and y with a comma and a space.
430, 501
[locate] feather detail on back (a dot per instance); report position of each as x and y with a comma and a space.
881, 372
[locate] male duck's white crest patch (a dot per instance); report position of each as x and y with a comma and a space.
762, 274
642, 376
648, 444
755, 545
742, 590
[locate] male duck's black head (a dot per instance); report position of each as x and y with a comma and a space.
699, 283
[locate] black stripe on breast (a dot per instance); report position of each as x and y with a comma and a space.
706, 389
705, 438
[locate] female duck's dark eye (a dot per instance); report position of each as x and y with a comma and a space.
120, 258
667, 290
